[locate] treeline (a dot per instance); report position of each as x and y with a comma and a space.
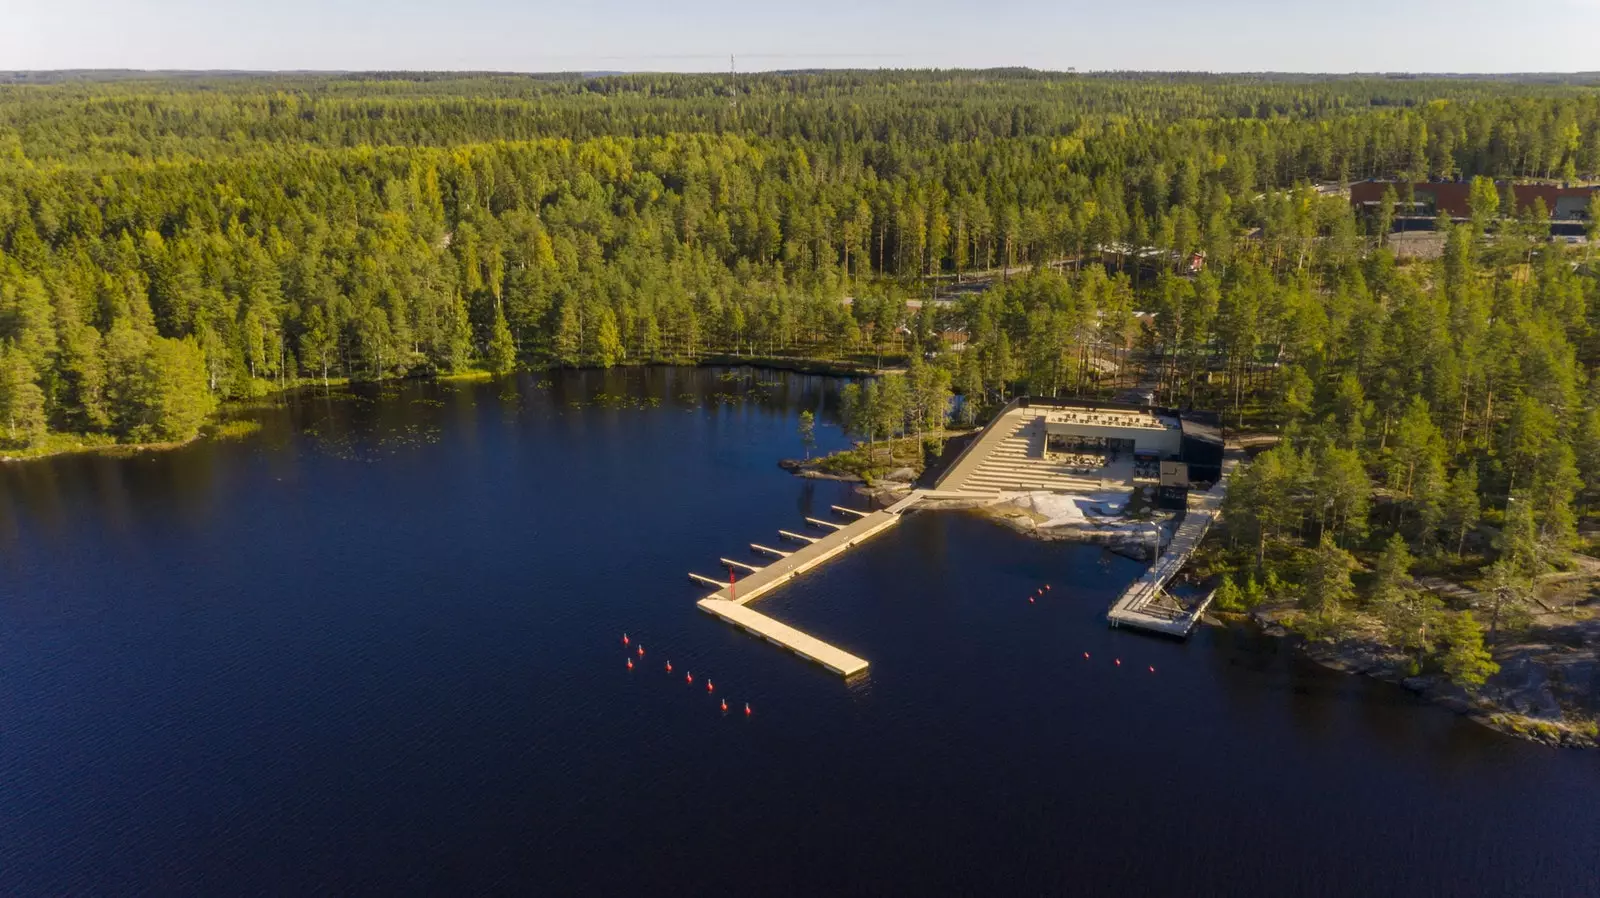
1360, 126
1418, 403
165, 245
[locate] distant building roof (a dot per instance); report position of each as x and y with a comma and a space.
1451, 196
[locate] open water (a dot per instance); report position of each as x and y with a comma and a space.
375, 648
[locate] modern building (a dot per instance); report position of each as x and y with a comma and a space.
1175, 448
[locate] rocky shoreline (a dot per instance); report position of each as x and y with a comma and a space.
1537, 695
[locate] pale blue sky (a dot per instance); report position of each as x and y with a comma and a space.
698, 35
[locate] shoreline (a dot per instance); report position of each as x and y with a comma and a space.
99, 444
1520, 701
1113, 533
1523, 685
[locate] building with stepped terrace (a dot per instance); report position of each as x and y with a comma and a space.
1082, 447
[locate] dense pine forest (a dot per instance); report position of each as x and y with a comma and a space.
165, 244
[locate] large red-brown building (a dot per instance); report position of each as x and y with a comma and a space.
1428, 199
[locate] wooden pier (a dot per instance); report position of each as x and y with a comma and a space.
778, 633
1140, 604
729, 562
729, 604
770, 551
797, 537
815, 552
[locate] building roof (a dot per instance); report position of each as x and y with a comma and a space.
1451, 196
1201, 426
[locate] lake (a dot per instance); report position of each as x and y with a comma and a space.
375, 647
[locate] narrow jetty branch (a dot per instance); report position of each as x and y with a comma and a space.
706, 580
818, 522
729, 562
797, 537
1139, 605
770, 551
778, 633
849, 511
815, 552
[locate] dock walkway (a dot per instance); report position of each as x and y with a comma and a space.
729, 602
1137, 607
803, 644
804, 558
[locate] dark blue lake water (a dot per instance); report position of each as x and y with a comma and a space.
375, 649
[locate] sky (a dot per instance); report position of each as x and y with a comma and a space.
699, 35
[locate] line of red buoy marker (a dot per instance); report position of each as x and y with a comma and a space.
688, 676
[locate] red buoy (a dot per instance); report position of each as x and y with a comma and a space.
724, 706
1030, 600
1152, 670
1085, 654
669, 667
1047, 586
630, 664
641, 651
747, 709
1119, 662
624, 639
708, 685
688, 678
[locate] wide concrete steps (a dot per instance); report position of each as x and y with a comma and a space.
1038, 467
1028, 485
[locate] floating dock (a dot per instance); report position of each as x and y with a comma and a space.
729, 602
803, 644
813, 553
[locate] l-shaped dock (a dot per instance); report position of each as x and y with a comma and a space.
731, 601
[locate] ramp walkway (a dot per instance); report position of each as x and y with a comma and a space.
1139, 605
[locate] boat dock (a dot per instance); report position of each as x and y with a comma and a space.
778, 633
1140, 605
758, 583
729, 601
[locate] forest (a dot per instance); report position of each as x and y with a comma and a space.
170, 244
